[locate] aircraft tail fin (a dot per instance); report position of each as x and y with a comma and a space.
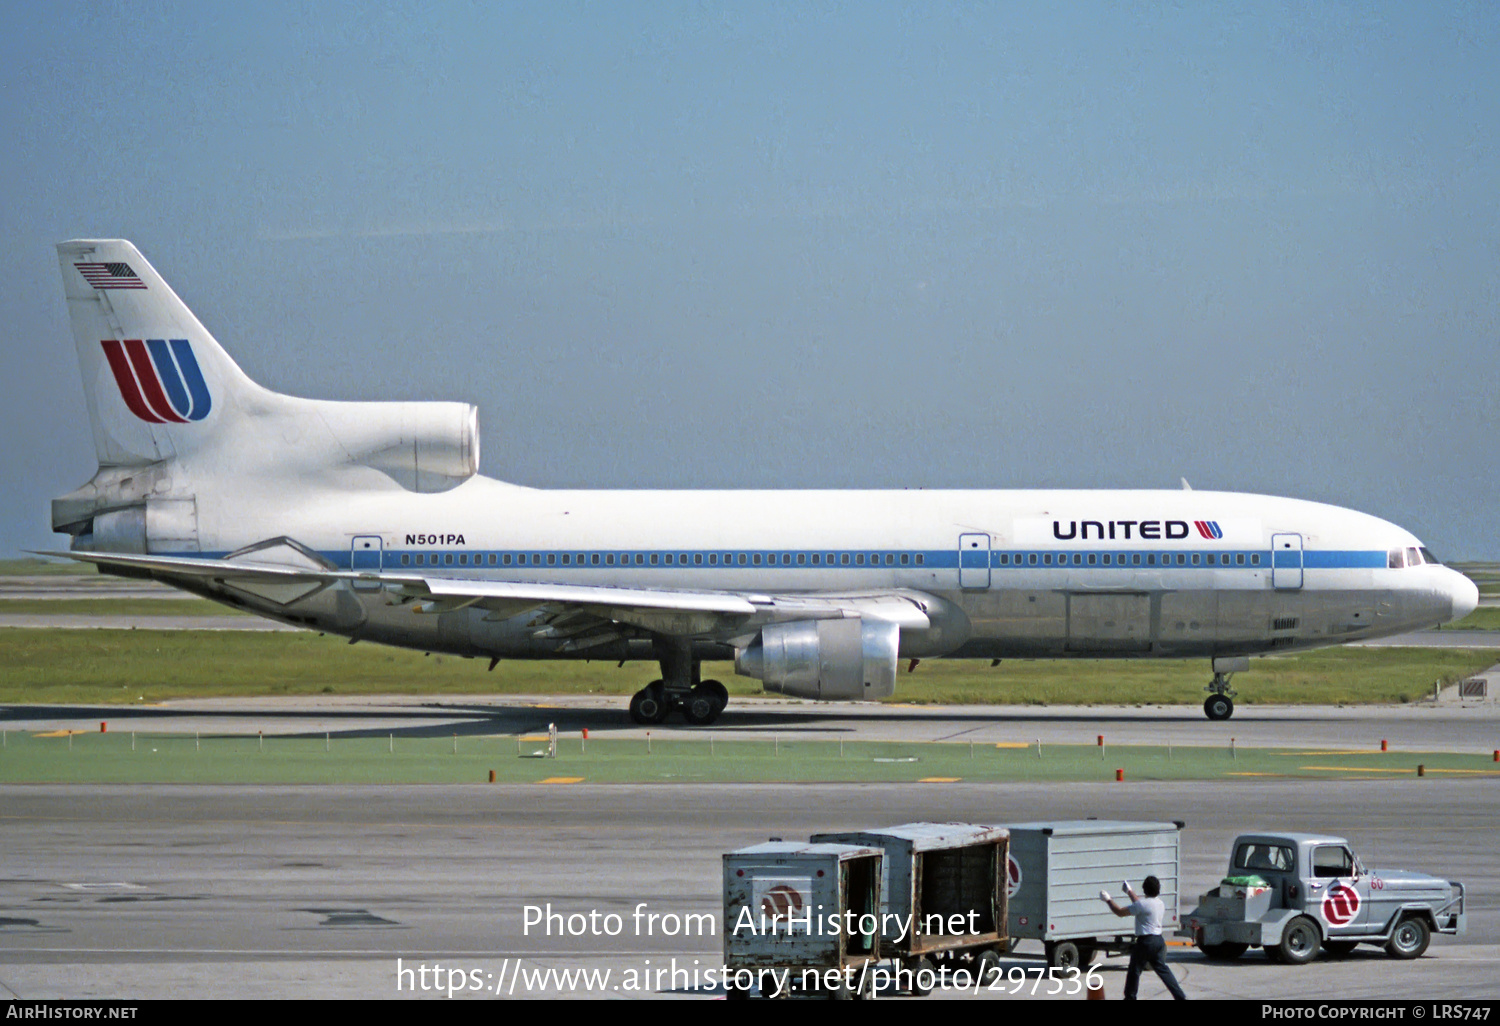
157, 383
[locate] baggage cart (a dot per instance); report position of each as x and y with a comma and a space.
802, 919
944, 894
1057, 870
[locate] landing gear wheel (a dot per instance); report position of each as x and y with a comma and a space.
702, 706
648, 706
1410, 939
1064, 955
1225, 952
719, 692
1299, 943
1218, 707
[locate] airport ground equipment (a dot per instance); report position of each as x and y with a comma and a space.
1295, 894
802, 918
1057, 870
943, 896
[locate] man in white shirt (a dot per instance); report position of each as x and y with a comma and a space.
1149, 948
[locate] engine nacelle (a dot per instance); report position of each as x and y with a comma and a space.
829, 660
425, 447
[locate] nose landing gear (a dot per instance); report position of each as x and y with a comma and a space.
1220, 703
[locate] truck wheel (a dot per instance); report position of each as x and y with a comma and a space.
1228, 951
1064, 955
923, 973
1299, 943
1410, 939
987, 968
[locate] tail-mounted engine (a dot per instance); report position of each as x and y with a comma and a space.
829, 660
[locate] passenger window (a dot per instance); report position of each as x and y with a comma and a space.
859, 560
594, 559
448, 559
1151, 559
669, 559
713, 559
801, 559
697, 559
1255, 559
1047, 559
921, 559
817, 559
1239, 559
755, 559
742, 559
655, 559
1092, 557
1136, 559
1195, 559
640, 559
405, 559
609, 559
551, 559
1031, 559
567, 559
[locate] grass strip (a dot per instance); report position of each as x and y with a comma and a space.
124, 758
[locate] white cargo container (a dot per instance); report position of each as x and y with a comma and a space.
1057, 870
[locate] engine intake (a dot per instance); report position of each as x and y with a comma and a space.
829, 660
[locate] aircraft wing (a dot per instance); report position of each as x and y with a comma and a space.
674, 612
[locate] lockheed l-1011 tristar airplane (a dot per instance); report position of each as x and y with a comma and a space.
370, 520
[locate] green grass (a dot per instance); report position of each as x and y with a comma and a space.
110, 666
42, 567
120, 757
116, 607
1485, 619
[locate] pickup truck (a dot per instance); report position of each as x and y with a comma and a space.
1297, 894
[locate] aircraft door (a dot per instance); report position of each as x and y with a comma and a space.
973, 561
365, 554
1286, 561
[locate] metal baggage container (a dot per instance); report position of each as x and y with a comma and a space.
1057, 870
788, 909
944, 887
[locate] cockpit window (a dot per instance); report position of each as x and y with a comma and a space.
1413, 557
1395, 559
1428, 557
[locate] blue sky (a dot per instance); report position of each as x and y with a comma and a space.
800, 245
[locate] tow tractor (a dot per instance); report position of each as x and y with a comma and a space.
1297, 894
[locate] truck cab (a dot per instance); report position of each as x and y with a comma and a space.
1298, 894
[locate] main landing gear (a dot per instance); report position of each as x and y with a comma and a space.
1220, 703
701, 701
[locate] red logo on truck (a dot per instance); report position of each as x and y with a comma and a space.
1340, 905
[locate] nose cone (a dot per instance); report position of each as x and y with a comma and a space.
1465, 594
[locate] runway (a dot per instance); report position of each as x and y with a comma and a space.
210, 891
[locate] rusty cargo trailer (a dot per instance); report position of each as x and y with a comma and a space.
944, 889
802, 918
1057, 870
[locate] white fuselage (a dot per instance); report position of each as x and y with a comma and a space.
1010, 573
